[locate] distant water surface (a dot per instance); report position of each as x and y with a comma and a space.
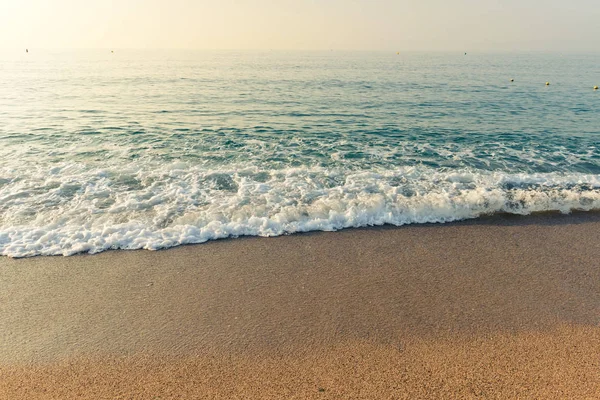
143, 149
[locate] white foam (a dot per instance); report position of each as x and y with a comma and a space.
80, 209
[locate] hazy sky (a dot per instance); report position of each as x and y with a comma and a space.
468, 25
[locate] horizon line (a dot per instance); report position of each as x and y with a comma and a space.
302, 50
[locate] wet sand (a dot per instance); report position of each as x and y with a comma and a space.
501, 307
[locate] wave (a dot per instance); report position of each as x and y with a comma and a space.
73, 208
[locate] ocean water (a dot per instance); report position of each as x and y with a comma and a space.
152, 149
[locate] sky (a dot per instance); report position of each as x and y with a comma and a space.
390, 25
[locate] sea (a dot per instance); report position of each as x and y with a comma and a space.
148, 149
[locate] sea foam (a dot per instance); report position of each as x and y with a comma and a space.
74, 208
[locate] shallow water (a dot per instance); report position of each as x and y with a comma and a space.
144, 149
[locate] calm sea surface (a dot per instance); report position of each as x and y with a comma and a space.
142, 149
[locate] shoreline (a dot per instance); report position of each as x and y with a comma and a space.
501, 218
444, 307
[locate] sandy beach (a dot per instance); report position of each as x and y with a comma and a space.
500, 307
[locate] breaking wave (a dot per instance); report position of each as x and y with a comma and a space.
74, 208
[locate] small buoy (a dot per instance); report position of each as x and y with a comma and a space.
465, 54
112, 51
547, 83
398, 53
26, 50
512, 80
595, 87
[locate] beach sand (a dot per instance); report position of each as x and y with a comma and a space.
500, 307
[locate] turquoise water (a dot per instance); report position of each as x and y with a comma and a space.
143, 149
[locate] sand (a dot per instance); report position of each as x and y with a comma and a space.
501, 307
